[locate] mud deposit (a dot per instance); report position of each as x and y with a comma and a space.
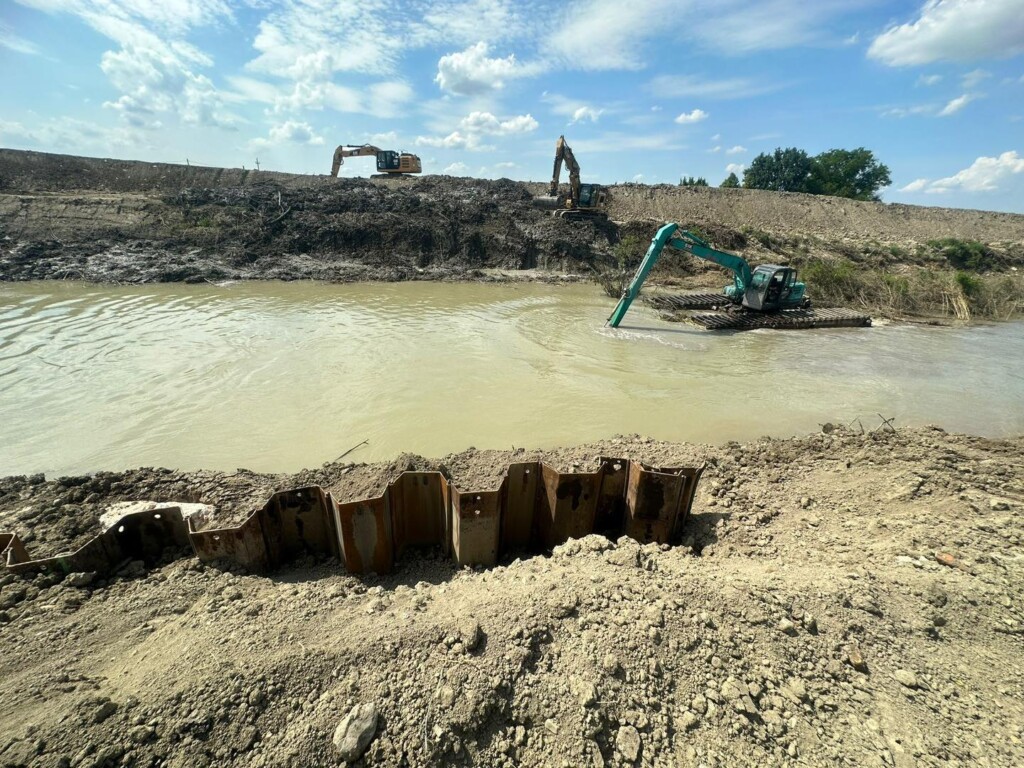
842, 599
65, 217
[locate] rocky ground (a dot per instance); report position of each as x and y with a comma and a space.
845, 598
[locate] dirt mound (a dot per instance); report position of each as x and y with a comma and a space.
844, 598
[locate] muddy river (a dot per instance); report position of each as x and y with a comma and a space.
274, 376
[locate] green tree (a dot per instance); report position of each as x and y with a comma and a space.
786, 170
731, 181
690, 181
848, 173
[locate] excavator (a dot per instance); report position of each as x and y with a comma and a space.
388, 161
583, 200
768, 296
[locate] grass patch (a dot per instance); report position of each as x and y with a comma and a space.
916, 292
965, 254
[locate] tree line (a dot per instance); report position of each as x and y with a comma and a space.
852, 173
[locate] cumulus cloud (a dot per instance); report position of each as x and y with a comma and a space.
474, 127
915, 186
953, 30
737, 150
585, 113
692, 117
69, 134
456, 169
736, 168
472, 71
486, 123
929, 80
983, 175
955, 105
715, 149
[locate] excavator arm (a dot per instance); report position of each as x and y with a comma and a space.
563, 153
671, 234
346, 150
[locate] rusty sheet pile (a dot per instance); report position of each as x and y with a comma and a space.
533, 509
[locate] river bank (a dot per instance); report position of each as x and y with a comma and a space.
122, 222
846, 597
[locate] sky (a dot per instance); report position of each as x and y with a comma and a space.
645, 90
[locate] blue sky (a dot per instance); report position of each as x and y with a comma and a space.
646, 90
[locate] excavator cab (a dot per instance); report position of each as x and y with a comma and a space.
772, 288
389, 161
591, 196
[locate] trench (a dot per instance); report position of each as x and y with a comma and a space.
280, 376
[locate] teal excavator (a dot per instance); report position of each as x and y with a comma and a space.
768, 288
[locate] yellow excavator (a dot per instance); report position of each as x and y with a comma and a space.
583, 200
388, 161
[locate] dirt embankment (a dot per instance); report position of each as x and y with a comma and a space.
807, 620
118, 221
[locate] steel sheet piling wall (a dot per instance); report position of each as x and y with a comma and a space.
533, 508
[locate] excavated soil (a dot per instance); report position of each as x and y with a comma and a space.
65, 217
845, 598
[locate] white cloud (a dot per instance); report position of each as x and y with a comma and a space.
474, 127
692, 117
918, 109
385, 139
638, 177
736, 168
955, 105
983, 175
617, 141
915, 186
16, 43
456, 169
505, 165
716, 137
577, 111
929, 80
715, 149
605, 34
471, 72
737, 150
295, 132
454, 140
585, 113
954, 30
488, 124
974, 78
689, 86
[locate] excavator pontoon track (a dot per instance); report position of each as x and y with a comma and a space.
784, 319
686, 301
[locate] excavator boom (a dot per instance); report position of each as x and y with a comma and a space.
774, 288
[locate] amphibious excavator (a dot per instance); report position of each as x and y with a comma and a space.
768, 296
583, 200
388, 161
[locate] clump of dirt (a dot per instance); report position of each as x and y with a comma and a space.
842, 598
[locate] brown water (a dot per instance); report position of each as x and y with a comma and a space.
273, 376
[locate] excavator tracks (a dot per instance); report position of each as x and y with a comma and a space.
786, 319
686, 301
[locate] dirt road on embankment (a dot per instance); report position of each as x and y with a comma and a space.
65, 217
846, 598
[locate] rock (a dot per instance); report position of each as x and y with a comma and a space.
470, 634
997, 505
732, 690
856, 659
906, 678
18, 754
142, 734
610, 664
105, 710
628, 742
699, 704
788, 627
688, 721
80, 579
588, 694
355, 732
946, 559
